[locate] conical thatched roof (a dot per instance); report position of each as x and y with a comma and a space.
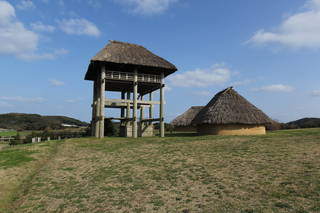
122, 56
186, 118
228, 107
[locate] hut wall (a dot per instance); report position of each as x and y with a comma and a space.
231, 129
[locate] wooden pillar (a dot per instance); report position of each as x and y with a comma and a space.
135, 105
162, 130
94, 109
141, 110
97, 113
151, 106
102, 100
128, 114
123, 97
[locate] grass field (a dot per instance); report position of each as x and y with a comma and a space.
279, 172
14, 133
9, 133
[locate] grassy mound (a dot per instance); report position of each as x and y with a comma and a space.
278, 172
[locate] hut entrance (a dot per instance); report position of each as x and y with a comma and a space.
136, 73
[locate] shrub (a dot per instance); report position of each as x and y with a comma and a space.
109, 128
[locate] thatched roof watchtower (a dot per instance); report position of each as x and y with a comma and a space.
127, 68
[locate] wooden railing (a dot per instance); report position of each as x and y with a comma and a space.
126, 76
6, 139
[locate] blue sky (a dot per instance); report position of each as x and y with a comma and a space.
267, 50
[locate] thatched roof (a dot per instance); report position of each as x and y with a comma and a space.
228, 107
186, 118
126, 57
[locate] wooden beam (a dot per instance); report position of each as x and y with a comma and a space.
151, 120
121, 119
139, 102
135, 105
162, 130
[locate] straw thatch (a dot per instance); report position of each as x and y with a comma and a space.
228, 107
122, 56
186, 118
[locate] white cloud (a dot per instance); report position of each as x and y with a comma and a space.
75, 100
40, 27
167, 88
216, 75
5, 104
16, 39
57, 83
46, 56
203, 93
94, 3
22, 99
79, 27
147, 7
25, 5
242, 82
315, 93
276, 88
300, 30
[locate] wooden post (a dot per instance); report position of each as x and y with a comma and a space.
97, 111
135, 105
141, 110
102, 100
151, 107
94, 108
128, 112
123, 97
162, 130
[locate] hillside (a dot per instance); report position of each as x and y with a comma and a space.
21, 121
304, 123
277, 172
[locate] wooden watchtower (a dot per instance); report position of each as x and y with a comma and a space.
129, 69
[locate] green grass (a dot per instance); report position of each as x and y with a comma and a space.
9, 133
277, 172
14, 133
14, 157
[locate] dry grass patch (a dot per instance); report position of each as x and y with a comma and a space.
278, 172
17, 165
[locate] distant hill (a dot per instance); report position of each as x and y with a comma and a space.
303, 123
21, 121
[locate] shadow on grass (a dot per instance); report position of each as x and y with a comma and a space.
182, 134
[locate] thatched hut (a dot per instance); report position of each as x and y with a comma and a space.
183, 121
228, 113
